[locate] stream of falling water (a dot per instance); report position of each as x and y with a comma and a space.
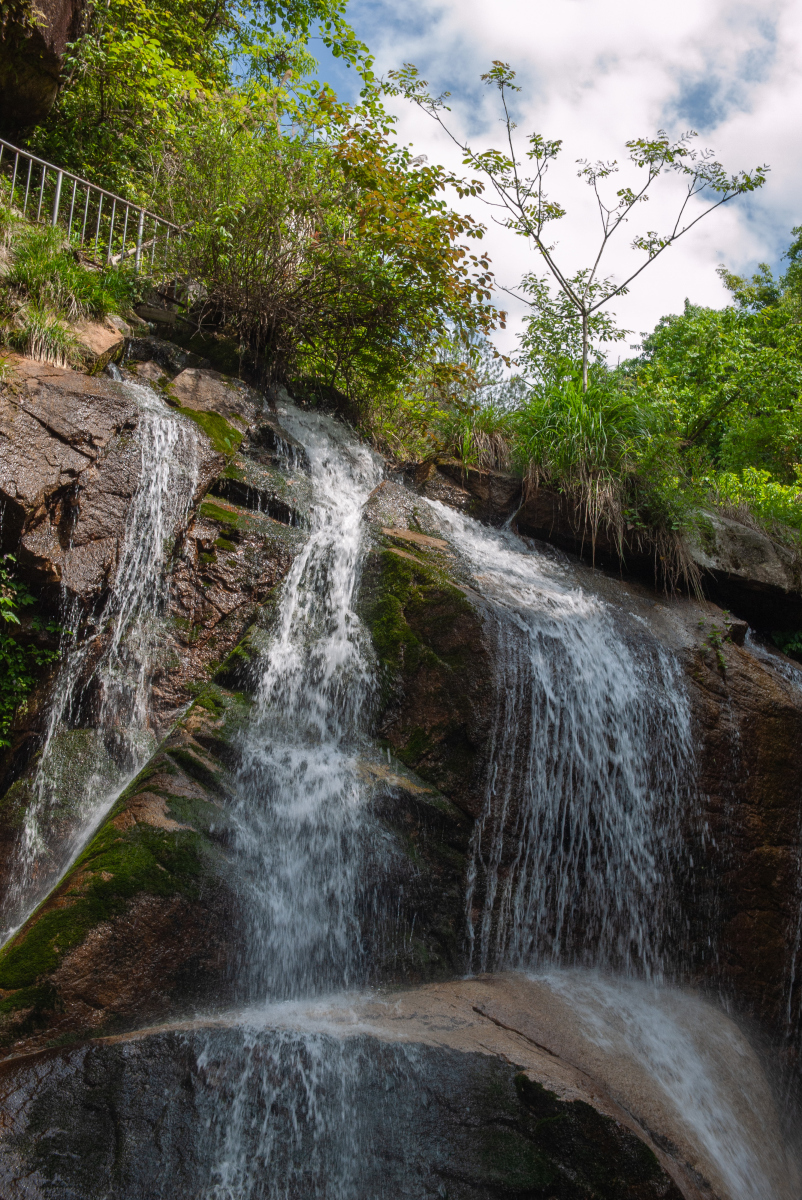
85, 764
299, 822
298, 814
590, 760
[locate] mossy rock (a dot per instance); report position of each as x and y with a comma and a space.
224, 436
436, 665
162, 845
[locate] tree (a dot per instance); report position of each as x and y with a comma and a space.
529, 211
139, 74
325, 249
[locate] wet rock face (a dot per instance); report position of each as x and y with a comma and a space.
144, 920
120, 1120
61, 514
69, 466
436, 663
748, 720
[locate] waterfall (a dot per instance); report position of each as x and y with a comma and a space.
590, 757
298, 813
299, 829
97, 737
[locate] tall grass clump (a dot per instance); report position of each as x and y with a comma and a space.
45, 286
616, 460
480, 435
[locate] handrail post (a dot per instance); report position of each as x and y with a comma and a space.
27, 185
111, 229
139, 230
57, 199
41, 193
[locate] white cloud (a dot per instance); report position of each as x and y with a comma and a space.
596, 73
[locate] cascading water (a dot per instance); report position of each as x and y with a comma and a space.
572, 858
687, 1070
299, 834
573, 852
88, 757
298, 816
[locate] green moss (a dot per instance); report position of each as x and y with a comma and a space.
197, 769
410, 589
42, 998
233, 519
224, 544
417, 744
14, 805
221, 433
211, 701
115, 867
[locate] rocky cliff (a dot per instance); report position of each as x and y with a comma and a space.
146, 924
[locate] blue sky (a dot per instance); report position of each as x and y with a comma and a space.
595, 73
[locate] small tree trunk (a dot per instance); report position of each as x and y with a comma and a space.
585, 339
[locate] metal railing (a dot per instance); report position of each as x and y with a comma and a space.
118, 230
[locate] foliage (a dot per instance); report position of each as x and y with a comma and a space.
46, 271
42, 335
44, 286
756, 494
613, 454
732, 380
328, 253
136, 76
20, 663
552, 339
457, 401
789, 643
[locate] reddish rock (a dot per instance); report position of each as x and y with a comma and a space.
100, 342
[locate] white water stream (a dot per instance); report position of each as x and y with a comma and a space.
590, 761
97, 736
298, 813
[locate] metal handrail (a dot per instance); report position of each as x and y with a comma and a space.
141, 214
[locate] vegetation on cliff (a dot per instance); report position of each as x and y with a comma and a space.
329, 258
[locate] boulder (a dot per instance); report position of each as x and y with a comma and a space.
209, 391
99, 342
746, 570
62, 516
496, 1086
68, 470
33, 38
171, 358
496, 494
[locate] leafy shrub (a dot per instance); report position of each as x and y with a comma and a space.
20, 664
755, 493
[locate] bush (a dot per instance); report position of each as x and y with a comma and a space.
20, 664
755, 494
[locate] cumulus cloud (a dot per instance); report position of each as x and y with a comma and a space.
596, 73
